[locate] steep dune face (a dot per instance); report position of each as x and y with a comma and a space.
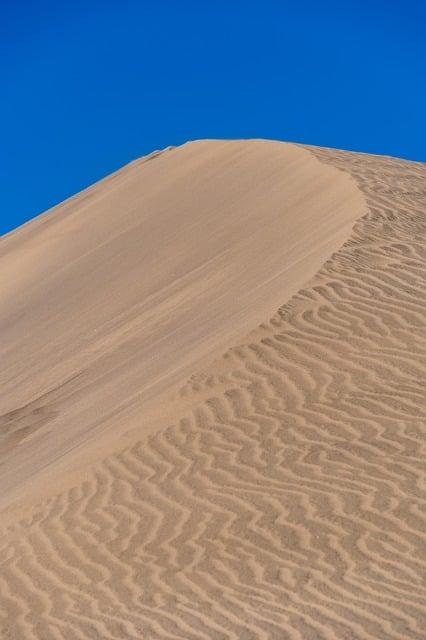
122, 291
281, 496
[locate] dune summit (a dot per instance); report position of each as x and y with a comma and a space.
212, 401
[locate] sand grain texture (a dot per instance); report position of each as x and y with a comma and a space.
180, 460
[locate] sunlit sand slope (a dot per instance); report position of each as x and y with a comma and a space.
286, 497
125, 290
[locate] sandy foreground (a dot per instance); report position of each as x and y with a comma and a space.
212, 401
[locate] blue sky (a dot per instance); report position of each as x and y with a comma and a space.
89, 86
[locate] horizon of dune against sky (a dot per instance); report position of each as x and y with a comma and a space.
87, 87
212, 401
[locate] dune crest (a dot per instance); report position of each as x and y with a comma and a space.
285, 498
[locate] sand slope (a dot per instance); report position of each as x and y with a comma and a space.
123, 291
275, 491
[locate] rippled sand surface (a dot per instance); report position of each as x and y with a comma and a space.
213, 398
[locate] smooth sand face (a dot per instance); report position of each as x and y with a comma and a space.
130, 287
273, 491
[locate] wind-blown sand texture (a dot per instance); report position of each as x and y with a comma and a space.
180, 460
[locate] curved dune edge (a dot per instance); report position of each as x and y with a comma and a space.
288, 502
146, 277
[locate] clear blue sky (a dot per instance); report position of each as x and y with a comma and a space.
87, 86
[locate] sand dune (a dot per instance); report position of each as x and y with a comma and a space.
178, 458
